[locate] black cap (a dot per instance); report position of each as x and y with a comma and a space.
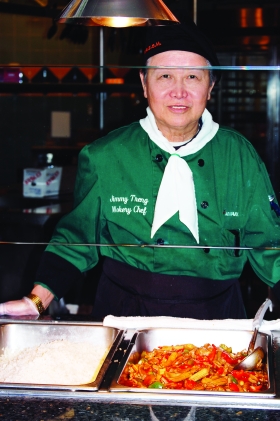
183, 37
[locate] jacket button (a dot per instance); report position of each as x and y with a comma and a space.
201, 162
159, 157
204, 204
160, 242
206, 250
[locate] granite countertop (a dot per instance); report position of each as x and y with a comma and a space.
34, 409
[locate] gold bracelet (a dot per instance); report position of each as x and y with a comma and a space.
37, 301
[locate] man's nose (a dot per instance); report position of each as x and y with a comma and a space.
179, 90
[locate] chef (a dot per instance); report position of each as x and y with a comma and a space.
174, 203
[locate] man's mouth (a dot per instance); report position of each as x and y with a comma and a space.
178, 107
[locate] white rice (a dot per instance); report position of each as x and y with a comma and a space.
59, 362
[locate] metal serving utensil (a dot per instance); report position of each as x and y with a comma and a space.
255, 356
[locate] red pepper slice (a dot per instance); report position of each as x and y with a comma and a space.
207, 358
220, 371
233, 387
228, 358
149, 379
189, 384
212, 354
178, 385
254, 388
241, 375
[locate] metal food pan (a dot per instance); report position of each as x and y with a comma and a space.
18, 337
147, 340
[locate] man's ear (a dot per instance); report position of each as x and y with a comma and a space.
210, 90
143, 81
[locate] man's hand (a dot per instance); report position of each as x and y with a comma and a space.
23, 307
26, 307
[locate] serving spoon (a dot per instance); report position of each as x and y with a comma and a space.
255, 356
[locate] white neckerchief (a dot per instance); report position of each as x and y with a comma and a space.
176, 192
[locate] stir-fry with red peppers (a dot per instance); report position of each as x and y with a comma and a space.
188, 367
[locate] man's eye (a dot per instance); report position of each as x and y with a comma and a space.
192, 77
165, 76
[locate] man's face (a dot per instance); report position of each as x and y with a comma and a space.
177, 96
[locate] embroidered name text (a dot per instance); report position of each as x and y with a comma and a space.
231, 213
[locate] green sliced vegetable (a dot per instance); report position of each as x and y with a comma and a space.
234, 380
156, 385
226, 348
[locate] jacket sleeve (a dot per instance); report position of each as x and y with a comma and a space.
74, 236
263, 232
56, 274
77, 231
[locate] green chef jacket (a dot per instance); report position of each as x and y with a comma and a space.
115, 193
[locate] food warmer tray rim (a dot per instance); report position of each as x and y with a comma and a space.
268, 393
89, 387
